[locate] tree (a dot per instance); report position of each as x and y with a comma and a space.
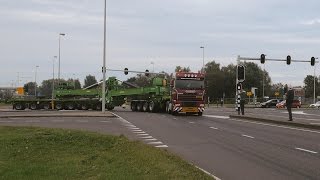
89, 80
182, 69
214, 80
309, 86
140, 80
75, 83
29, 88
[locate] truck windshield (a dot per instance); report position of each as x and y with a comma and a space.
189, 84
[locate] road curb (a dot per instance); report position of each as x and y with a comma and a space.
57, 115
287, 123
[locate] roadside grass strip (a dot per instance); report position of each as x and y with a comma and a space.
41, 153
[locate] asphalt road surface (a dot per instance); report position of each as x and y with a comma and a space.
227, 148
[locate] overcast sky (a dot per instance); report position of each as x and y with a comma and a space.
166, 32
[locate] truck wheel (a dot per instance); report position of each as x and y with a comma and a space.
33, 106
151, 106
46, 106
139, 106
145, 107
59, 106
19, 106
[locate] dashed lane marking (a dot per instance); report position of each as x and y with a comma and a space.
244, 135
146, 137
214, 128
137, 130
152, 139
82, 121
219, 117
133, 128
142, 134
306, 150
6, 121
191, 122
32, 121
105, 121
161, 146
157, 142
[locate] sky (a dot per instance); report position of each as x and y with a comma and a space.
156, 35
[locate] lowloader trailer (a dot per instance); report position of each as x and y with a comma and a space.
184, 94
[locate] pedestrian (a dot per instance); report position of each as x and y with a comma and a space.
242, 101
221, 102
289, 100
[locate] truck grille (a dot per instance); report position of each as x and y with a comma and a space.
189, 104
189, 97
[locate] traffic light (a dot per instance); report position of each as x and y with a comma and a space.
146, 73
313, 61
262, 58
126, 71
288, 60
239, 86
241, 73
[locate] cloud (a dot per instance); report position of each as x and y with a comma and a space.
311, 22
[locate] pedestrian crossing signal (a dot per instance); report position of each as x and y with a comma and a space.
241, 73
126, 71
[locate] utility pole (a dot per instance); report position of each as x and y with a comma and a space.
104, 59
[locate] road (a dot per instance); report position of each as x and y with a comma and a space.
228, 148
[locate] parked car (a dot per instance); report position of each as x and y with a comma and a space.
295, 104
270, 103
315, 105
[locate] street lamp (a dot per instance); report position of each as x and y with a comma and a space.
104, 59
152, 66
61, 34
52, 94
35, 82
202, 47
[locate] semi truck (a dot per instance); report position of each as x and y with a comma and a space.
183, 94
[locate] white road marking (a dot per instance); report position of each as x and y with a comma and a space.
152, 139
82, 121
191, 122
15, 118
161, 146
285, 127
146, 137
137, 130
306, 150
247, 136
219, 117
214, 128
105, 121
143, 134
130, 125
315, 123
215, 177
57, 120
140, 132
157, 142
133, 128
6, 121
32, 121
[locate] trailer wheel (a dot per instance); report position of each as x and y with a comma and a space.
139, 106
46, 106
84, 107
59, 106
19, 106
133, 106
33, 106
70, 106
152, 106
145, 107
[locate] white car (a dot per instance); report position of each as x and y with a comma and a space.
316, 105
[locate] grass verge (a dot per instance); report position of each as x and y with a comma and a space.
40, 153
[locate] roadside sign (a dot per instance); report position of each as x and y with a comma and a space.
276, 93
249, 93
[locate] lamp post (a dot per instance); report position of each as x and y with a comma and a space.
35, 82
52, 94
152, 66
104, 59
202, 47
61, 34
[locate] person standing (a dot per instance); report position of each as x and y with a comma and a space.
289, 100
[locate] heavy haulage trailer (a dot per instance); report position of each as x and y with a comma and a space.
184, 94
